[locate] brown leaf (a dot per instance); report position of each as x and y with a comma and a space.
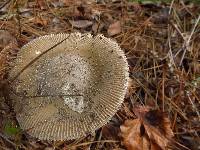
141, 111
6, 55
8, 44
6, 38
114, 28
77, 2
42, 4
39, 21
133, 139
110, 131
157, 126
151, 131
81, 23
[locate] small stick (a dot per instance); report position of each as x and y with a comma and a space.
170, 10
3, 5
9, 141
186, 44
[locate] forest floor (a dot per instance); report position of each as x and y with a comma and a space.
161, 41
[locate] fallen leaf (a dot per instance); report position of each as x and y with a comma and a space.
77, 2
157, 126
133, 137
6, 56
42, 4
8, 45
114, 28
150, 131
141, 111
67, 2
6, 38
81, 23
110, 131
39, 21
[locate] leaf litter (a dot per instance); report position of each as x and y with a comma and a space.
161, 42
114, 28
151, 130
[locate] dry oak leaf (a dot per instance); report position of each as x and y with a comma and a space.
77, 2
39, 21
114, 28
8, 46
151, 131
6, 38
133, 138
158, 128
42, 4
81, 23
110, 131
6, 56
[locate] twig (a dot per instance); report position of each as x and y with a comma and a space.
88, 143
4, 148
187, 43
9, 141
18, 19
170, 54
170, 10
193, 105
178, 30
185, 7
140, 83
3, 5
35, 96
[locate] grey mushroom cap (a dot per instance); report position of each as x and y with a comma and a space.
64, 86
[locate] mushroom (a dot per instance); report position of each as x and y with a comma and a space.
65, 86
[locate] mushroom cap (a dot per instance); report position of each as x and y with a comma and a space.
65, 86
